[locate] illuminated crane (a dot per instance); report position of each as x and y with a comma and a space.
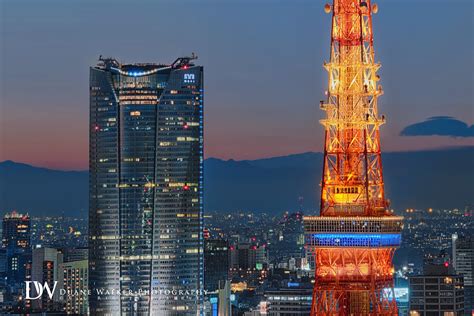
354, 238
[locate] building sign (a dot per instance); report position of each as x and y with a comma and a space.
189, 78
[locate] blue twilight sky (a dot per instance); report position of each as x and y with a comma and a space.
263, 71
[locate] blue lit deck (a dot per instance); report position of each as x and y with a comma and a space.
353, 240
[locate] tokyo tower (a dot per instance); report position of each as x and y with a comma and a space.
354, 238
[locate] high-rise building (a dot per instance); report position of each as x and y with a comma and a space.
145, 216
16, 230
438, 292
3, 275
354, 238
16, 236
248, 263
463, 257
46, 269
74, 277
216, 263
249, 256
463, 262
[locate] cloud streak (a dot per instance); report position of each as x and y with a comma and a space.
439, 126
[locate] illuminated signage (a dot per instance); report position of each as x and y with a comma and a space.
293, 284
401, 294
189, 78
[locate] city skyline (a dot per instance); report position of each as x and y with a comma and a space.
224, 158
263, 58
428, 236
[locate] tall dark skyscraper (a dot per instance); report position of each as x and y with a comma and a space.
145, 217
216, 263
16, 236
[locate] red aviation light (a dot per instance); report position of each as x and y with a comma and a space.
446, 264
186, 187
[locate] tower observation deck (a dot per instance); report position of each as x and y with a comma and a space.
354, 238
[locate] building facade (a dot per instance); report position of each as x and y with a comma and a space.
145, 217
289, 301
16, 230
74, 282
16, 252
46, 269
216, 263
438, 292
75, 254
248, 263
463, 262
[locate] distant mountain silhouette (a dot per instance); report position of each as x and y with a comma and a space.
41, 191
421, 179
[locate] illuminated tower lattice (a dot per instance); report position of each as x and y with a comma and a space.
354, 238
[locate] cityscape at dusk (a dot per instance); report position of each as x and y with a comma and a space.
237, 158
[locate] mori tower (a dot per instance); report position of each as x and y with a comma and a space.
145, 216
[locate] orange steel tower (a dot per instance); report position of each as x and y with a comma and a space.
354, 238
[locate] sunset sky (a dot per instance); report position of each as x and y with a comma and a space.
263, 71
